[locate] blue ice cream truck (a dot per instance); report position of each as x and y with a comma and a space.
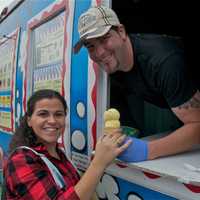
36, 52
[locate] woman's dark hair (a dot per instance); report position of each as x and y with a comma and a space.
24, 135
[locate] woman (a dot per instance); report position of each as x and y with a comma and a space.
27, 177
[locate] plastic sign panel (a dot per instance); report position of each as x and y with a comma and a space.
48, 53
8, 50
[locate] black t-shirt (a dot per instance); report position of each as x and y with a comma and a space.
159, 74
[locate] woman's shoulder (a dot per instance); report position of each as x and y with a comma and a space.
22, 156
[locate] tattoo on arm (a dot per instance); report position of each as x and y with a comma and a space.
194, 102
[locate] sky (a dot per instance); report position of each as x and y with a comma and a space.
4, 3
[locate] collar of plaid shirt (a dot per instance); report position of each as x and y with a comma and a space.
28, 177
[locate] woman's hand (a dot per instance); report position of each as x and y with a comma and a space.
109, 147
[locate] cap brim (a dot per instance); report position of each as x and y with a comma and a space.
95, 33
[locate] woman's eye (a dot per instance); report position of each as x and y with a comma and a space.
42, 114
61, 114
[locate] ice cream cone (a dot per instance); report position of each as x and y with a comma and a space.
111, 120
108, 130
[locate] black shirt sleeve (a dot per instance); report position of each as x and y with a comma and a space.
173, 80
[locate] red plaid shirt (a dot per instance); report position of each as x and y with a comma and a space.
28, 178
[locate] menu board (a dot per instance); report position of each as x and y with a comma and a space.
48, 54
7, 62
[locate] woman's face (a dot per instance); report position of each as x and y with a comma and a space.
48, 120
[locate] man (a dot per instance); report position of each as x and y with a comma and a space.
149, 66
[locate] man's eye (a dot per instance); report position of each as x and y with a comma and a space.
91, 50
89, 47
106, 37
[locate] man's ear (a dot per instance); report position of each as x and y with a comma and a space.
122, 31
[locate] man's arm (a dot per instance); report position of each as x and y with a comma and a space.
183, 138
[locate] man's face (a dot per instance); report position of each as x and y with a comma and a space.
107, 51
